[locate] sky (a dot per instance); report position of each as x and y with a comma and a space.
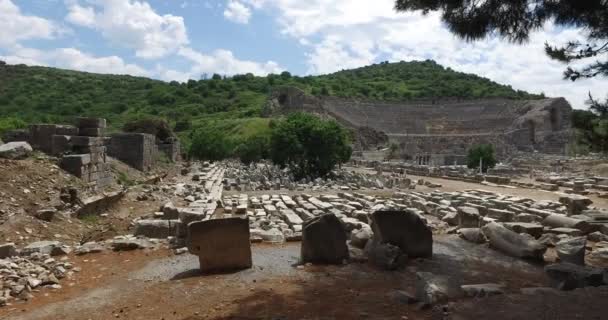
188, 39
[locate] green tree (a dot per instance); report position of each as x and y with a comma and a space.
485, 152
210, 144
309, 146
253, 149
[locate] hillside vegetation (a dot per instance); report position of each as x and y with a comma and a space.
231, 105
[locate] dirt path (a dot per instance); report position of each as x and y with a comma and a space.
156, 285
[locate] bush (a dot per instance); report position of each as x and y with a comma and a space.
8, 124
485, 152
210, 144
157, 127
309, 146
253, 149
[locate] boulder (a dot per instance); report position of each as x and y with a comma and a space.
512, 243
575, 203
572, 250
46, 214
568, 276
324, 240
360, 237
562, 221
431, 289
42, 247
472, 234
129, 244
89, 247
404, 229
15, 150
468, 217
220, 244
156, 229
169, 211
7, 250
385, 255
533, 229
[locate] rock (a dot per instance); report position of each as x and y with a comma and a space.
472, 234
156, 229
599, 257
273, 235
15, 150
129, 244
512, 243
220, 244
482, 290
562, 221
170, 211
405, 230
359, 238
575, 203
549, 239
597, 237
46, 214
431, 289
324, 240
89, 247
42, 247
451, 218
568, 276
385, 255
572, 250
401, 297
468, 217
533, 229
7, 250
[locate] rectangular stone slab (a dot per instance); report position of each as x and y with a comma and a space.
220, 244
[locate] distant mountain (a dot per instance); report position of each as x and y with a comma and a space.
40, 94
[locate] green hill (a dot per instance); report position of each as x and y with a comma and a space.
40, 94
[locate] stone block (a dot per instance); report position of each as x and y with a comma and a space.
220, 244
91, 132
324, 240
91, 122
156, 229
404, 229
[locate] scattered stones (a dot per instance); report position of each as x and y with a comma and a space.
473, 235
8, 250
431, 289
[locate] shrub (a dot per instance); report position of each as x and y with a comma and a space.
309, 146
253, 149
485, 152
157, 127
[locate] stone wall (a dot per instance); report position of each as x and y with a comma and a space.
84, 154
135, 149
445, 129
171, 149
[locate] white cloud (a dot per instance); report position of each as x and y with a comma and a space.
15, 26
341, 34
223, 62
71, 58
237, 12
132, 24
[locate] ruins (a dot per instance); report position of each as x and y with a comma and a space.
440, 131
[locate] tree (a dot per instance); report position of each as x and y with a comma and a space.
253, 149
309, 146
210, 144
485, 152
157, 127
515, 20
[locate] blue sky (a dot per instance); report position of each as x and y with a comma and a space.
184, 39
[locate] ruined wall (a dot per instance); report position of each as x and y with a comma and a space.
171, 149
445, 129
135, 149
